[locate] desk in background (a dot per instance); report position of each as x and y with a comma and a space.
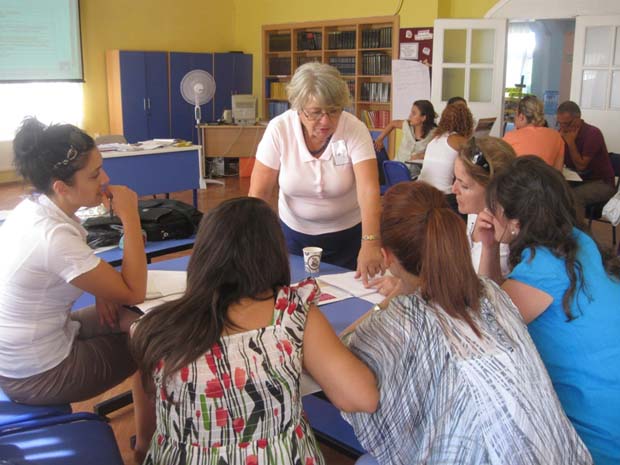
158, 171
232, 141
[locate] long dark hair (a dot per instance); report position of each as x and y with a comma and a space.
426, 109
239, 252
429, 241
44, 154
537, 195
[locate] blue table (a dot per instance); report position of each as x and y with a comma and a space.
158, 171
152, 249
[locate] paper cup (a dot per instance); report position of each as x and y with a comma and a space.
312, 259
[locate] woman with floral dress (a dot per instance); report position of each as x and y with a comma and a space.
226, 358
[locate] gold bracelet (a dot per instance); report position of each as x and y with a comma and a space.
370, 237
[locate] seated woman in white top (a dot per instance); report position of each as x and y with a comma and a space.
454, 128
476, 164
324, 162
49, 354
417, 133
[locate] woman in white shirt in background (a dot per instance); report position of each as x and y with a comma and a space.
455, 127
324, 162
49, 354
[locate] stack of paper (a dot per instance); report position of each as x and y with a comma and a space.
163, 286
335, 287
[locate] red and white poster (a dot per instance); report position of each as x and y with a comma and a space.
416, 43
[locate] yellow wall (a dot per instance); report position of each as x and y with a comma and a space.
252, 14
183, 25
218, 26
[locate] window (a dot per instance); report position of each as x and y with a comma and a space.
520, 54
56, 102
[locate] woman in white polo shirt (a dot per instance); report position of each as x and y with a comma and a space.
324, 161
49, 354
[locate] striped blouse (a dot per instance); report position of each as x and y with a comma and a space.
449, 397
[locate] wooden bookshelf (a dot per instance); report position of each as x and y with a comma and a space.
361, 48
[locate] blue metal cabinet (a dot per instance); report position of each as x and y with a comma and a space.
183, 123
144, 95
233, 75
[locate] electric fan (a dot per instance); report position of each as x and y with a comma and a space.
198, 88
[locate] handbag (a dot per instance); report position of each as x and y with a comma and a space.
160, 219
611, 210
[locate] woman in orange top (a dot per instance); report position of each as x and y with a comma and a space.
531, 137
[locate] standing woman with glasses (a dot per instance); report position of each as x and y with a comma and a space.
49, 354
324, 162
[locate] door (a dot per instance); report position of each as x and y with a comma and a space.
133, 94
469, 61
157, 105
595, 81
183, 123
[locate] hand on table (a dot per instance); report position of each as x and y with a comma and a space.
369, 261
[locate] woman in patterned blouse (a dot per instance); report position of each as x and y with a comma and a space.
460, 379
226, 358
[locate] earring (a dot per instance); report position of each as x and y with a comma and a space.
513, 232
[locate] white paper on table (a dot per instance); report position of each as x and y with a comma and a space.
308, 385
355, 287
163, 283
330, 294
410, 82
150, 304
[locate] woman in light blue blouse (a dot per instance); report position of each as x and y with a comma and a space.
568, 291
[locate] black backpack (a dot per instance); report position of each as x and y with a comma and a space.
161, 219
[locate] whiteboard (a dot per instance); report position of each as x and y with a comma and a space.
411, 81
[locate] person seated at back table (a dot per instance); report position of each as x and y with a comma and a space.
587, 154
417, 133
460, 379
568, 290
453, 130
49, 354
226, 358
531, 137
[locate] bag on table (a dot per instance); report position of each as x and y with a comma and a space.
163, 219
160, 219
611, 210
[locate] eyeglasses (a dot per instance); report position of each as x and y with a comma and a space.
478, 157
316, 115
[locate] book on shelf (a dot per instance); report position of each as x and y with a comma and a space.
375, 92
279, 66
309, 40
376, 64
377, 38
338, 40
280, 42
276, 108
302, 60
375, 119
346, 65
276, 90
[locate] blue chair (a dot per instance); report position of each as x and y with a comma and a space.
76, 439
330, 427
381, 157
12, 413
395, 172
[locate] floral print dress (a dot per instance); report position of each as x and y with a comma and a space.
240, 403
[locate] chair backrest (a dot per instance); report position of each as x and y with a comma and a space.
110, 139
395, 172
381, 157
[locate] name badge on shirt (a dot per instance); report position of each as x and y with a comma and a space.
341, 154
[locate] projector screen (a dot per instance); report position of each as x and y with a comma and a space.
40, 41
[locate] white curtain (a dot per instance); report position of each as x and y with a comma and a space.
520, 52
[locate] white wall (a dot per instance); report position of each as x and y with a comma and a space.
6, 155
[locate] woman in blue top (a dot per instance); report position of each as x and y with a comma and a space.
568, 292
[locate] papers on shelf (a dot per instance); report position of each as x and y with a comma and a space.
144, 145
117, 147
335, 287
163, 286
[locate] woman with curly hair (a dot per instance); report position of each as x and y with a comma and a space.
454, 128
567, 289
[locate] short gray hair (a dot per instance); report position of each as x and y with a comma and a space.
321, 82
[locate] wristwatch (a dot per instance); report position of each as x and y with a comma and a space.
376, 308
